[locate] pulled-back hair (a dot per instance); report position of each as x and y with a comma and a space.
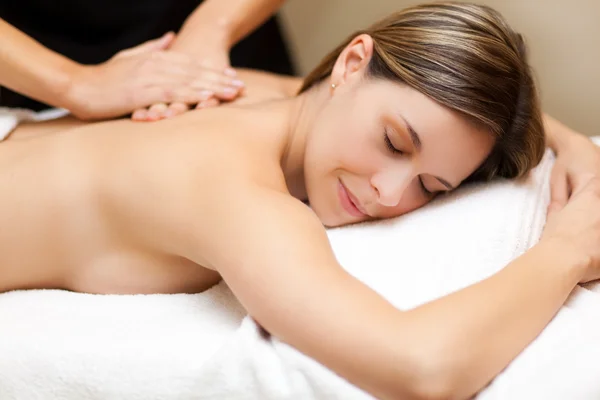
467, 58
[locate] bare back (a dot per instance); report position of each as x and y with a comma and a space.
97, 208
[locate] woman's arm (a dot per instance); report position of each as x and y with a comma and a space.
274, 254
577, 157
557, 134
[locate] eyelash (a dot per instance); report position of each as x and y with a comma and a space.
389, 145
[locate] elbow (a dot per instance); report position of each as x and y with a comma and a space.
436, 377
431, 385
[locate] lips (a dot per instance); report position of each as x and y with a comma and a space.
349, 203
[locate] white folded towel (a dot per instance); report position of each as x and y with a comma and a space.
61, 345
10, 118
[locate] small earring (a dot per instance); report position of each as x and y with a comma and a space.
333, 85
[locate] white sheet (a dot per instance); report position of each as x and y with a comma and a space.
59, 345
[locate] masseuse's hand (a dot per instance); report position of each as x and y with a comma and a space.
576, 161
141, 76
575, 228
215, 58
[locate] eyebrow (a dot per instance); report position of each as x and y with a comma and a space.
414, 137
416, 141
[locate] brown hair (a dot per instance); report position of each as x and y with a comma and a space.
467, 58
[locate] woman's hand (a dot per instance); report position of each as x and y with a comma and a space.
577, 159
141, 76
576, 226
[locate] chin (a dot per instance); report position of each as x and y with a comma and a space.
328, 218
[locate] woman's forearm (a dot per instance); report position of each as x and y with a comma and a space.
226, 21
557, 134
449, 348
29, 68
472, 334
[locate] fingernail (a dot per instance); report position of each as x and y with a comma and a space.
153, 115
230, 72
237, 82
205, 94
229, 91
169, 114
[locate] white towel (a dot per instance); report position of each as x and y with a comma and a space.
11, 117
61, 345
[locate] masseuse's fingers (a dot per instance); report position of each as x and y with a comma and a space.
177, 69
148, 74
156, 111
140, 114
175, 109
559, 188
162, 110
217, 81
212, 102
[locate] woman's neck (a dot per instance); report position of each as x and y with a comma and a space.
301, 113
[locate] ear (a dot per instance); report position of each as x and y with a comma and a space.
353, 61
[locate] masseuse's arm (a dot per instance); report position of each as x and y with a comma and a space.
133, 78
208, 35
274, 254
216, 25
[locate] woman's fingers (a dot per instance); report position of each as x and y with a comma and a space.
559, 188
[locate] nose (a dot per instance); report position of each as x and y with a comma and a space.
390, 185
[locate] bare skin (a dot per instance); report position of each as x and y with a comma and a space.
169, 273
173, 206
66, 229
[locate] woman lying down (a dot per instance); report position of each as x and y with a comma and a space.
422, 101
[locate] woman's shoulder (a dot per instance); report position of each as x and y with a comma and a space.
200, 163
227, 141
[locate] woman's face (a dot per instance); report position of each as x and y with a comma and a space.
379, 149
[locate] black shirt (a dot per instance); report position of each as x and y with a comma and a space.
92, 31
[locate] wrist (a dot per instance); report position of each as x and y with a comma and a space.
565, 255
55, 82
203, 33
74, 96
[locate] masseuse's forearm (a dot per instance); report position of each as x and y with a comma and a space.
226, 21
31, 69
474, 333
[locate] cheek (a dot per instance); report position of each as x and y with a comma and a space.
346, 145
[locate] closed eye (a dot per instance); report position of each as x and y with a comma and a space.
389, 144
